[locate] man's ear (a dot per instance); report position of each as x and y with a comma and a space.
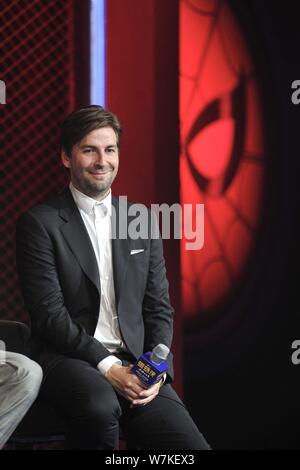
65, 159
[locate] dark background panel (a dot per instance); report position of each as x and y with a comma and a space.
242, 387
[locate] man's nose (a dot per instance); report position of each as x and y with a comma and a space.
100, 157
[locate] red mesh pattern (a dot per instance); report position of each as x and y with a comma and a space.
36, 40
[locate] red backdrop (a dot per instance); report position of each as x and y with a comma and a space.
37, 65
142, 89
222, 152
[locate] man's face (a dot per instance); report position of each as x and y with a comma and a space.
94, 162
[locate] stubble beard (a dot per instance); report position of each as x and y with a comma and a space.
94, 188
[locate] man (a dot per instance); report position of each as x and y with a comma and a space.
20, 380
98, 301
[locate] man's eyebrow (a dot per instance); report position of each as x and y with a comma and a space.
95, 146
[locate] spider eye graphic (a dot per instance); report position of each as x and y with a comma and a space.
222, 162
216, 140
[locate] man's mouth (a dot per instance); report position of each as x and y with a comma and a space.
99, 173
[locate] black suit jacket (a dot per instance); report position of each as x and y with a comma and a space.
60, 283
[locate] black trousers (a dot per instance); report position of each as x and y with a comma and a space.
93, 412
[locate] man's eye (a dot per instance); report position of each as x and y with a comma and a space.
87, 150
110, 150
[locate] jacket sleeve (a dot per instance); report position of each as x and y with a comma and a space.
157, 310
43, 296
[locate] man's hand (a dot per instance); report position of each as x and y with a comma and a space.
146, 395
129, 385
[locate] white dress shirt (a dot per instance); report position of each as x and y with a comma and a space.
97, 220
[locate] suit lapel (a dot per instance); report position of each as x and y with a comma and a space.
120, 247
76, 236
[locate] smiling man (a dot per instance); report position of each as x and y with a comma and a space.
94, 162
98, 302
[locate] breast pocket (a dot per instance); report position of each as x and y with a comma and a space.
139, 260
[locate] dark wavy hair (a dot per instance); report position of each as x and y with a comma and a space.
83, 121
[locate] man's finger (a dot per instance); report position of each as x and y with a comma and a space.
150, 391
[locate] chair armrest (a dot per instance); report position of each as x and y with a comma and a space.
15, 336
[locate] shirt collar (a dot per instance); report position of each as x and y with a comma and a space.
87, 203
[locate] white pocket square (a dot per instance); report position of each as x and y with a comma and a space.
134, 252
